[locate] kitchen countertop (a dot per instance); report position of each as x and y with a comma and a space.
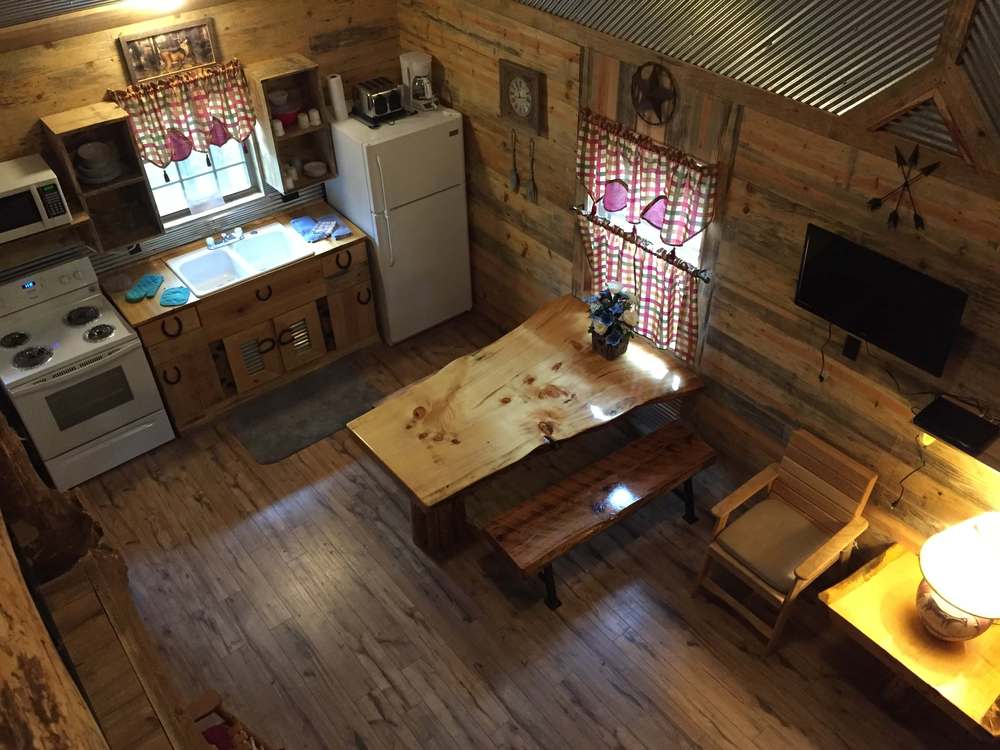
139, 313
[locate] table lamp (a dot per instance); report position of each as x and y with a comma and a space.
959, 597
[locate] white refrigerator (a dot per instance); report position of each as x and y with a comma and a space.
404, 185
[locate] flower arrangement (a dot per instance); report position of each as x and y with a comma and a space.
613, 317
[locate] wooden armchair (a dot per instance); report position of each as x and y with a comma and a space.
809, 518
229, 733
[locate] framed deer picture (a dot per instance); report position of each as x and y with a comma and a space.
170, 50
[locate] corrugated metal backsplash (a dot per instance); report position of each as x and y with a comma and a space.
831, 55
13, 12
925, 125
981, 56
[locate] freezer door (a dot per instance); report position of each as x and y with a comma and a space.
422, 264
416, 165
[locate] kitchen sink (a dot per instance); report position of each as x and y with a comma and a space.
211, 269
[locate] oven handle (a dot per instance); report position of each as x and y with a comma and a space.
77, 374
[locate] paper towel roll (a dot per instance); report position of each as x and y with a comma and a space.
337, 101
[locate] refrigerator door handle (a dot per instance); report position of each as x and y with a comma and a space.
385, 210
388, 236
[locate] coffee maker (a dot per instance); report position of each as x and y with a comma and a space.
418, 96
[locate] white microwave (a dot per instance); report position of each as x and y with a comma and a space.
31, 199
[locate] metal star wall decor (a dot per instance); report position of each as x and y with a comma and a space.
654, 93
912, 174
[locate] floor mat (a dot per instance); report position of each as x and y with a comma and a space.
295, 416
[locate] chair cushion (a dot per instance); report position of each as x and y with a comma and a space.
771, 539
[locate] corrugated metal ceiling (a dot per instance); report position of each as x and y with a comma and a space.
13, 12
831, 55
925, 125
981, 56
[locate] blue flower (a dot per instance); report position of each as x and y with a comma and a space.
614, 337
617, 308
605, 317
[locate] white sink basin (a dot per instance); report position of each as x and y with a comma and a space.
207, 270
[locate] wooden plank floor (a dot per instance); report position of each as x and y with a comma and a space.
295, 591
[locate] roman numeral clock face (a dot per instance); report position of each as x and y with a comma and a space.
520, 97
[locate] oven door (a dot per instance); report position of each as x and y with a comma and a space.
20, 214
79, 403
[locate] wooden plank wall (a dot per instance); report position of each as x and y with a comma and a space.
357, 38
521, 252
761, 353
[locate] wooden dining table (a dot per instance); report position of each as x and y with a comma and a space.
538, 385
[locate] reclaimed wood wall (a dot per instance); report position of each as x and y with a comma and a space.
356, 38
521, 252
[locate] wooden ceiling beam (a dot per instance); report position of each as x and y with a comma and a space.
955, 31
901, 97
65, 25
959, 102
880, 143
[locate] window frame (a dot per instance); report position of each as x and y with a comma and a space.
254, 192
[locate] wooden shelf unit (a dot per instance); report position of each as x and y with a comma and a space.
120, 212
313, 143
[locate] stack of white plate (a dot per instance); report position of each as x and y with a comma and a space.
97, 163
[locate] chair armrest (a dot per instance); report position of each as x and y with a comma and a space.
204, 704
826, 555
744, 492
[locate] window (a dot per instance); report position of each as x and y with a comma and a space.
203, 182
690, 251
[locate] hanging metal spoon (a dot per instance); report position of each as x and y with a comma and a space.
531, 190
515, 178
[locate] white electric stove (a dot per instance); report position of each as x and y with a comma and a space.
76, 374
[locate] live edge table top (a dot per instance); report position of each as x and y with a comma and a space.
538, 384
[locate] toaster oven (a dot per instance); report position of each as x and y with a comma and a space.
377, 98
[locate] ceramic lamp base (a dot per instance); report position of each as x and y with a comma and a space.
600, 345
944, 621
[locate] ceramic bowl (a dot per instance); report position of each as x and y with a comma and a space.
314, 168
94, 154
278, 98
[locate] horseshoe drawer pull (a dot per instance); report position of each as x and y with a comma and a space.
264, 297
177, 376
285, 337
346, 254
175, 334
366, 300
268, 342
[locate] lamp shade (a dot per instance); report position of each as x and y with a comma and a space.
962, 565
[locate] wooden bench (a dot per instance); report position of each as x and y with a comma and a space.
584, 504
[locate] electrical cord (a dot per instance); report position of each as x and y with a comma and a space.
902, 482
822, 354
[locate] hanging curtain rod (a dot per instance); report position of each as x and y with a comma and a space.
670, 256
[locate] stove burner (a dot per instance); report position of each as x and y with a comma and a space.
99, 332
31, 357
80, 316
14, 339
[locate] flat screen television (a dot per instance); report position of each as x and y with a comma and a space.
903, 311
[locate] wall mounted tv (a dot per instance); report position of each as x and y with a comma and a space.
874, 298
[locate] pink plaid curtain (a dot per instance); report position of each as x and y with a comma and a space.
171, 117
648, 181
668, 295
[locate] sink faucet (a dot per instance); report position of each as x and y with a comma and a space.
226, 238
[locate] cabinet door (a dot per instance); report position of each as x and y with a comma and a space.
253, 356
352, 315
299, 336
188, 379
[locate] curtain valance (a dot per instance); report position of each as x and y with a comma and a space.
649, 181
190, 111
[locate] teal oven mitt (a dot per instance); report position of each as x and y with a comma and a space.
175, 295
144, 288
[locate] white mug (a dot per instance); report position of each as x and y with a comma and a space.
303, 120
277, 128
314, 118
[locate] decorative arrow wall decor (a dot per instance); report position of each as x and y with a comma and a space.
912, 174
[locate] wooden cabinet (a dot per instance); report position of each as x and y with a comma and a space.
253, 356
296, 79
121, 211
352, 311
169, 327
299, 336
188, 379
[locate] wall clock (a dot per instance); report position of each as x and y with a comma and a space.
522, 92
